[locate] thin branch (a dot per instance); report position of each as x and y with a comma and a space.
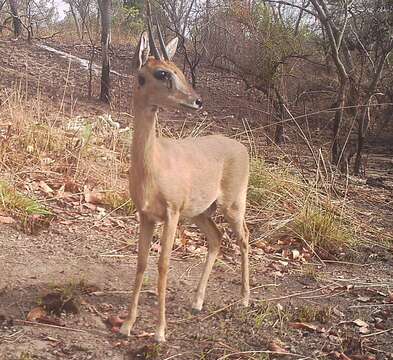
302, 8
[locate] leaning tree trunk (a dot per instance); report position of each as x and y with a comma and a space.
105, 10
15, 18
338, 117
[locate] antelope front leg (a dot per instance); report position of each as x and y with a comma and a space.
167, 240
145, 236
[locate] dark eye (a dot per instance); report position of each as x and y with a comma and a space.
162, 75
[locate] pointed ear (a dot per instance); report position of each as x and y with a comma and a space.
171, 47
142, 52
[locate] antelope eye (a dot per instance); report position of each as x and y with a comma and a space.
162, 75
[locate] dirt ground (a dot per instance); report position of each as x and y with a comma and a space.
338, 309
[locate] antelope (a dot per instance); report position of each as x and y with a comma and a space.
175, 179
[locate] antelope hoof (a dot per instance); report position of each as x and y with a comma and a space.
160, 338
246, 302
125, 329
195, 311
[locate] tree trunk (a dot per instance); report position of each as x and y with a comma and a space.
15, 18
78, 30
105, 12
279, 134
280, 110
364, 121
361, 142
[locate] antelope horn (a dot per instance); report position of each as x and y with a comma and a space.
153, 46
161, 40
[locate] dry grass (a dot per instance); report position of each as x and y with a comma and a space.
82, 151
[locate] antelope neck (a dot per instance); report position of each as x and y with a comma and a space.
144, 139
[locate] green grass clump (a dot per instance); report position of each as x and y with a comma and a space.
119, 201
307, 211
259, 182
310, 313
269, 186
322, 227
18, 204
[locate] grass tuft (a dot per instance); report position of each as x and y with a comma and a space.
308, 213
119, 201
310, 313
320, 227
18, 204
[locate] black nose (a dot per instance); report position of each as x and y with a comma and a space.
198, 102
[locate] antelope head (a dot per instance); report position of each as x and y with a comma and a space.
160, 82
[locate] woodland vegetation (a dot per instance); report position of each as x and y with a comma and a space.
300, 55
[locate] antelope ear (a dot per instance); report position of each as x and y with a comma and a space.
171, 47
142, 52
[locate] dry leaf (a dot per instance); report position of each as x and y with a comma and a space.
390, 296
45, 187
156, 247
338, 312
93, 196
360, 323
285, 241
71, 186
6, 220
363, 299
260, 244
115, 320
115, 330
295, 254
277, 347
62, 193
278, 274
90, 206
47, 161
305, 326
121, 343
275, 266
36, 313
364, 330
286, 253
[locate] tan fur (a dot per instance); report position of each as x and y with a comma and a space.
172, 179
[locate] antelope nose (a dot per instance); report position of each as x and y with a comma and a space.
199, 103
